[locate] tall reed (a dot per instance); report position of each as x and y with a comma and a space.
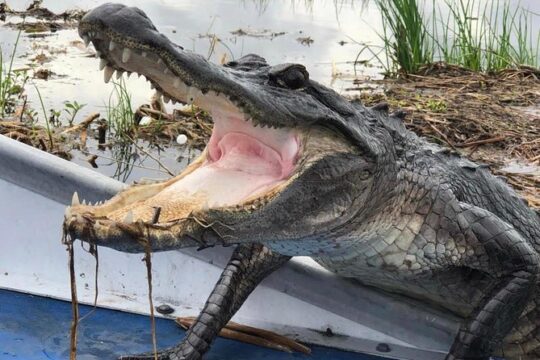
481, 36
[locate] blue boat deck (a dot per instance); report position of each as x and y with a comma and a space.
34, 327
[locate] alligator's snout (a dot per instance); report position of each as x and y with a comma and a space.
119, 17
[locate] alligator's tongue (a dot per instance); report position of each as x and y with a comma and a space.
243, 167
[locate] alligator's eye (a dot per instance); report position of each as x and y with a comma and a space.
292, 76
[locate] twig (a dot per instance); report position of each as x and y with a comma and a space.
251, 335
83, 124
150, 156
481, 142
148, 260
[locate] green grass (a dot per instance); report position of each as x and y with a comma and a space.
47, 123
481, 36
120, 115
11, 84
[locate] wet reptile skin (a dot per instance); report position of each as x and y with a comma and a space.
399, 213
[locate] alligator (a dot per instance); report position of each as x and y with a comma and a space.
294, 169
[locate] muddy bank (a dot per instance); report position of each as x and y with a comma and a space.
36, 18
489, 118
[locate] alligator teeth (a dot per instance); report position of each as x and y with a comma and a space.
86, 40
67, 213
128, 219
176, 83
119, 74
126, 54
102, 64
107, 74
112, 46
75, 199
84, 202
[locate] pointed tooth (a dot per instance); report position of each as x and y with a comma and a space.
67, 213
119, 74
86, 40
112, 46
107, 74
126, 54
128, 219
84, 202
102, 64
75, 199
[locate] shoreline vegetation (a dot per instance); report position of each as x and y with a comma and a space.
466, 74
484, 36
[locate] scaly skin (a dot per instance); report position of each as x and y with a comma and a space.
368, 200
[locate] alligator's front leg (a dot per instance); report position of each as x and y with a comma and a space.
498, 250
248, 266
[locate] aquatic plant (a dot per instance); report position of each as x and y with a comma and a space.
481, 36
120, 114
72, 108
47, 123
11, 82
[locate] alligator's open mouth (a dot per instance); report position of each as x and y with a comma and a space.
245, 163
242, 162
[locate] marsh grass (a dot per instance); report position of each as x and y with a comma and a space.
487, 37
47, 122
10, 81
120, 114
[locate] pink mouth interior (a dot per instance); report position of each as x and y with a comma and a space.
243, 160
